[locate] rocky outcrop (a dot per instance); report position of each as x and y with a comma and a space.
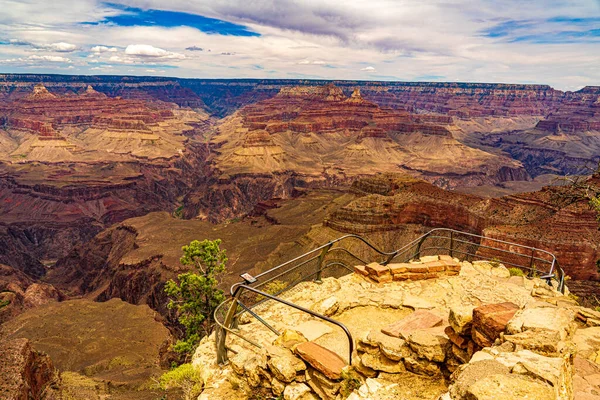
26, 373
423, 352
533, 219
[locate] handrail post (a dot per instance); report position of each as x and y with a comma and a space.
531, 270
320, 262
421, 243
221, 334
451, 243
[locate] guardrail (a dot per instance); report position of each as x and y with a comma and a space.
331, 259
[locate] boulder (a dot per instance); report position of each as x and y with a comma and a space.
393, 348
490, 321
284, 365
431, 344
289, 338
461, 319
327, 307
321, 359
553, 320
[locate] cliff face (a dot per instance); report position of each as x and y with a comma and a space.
533, 219
73, 164
308, 137
462, 100
26, 373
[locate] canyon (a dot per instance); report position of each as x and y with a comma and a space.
104, 178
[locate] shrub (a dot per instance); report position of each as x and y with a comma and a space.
514, 271
185, 377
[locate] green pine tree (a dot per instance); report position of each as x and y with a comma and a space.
196, 295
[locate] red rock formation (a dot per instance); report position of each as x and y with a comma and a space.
44, 113
531, 219
579, 113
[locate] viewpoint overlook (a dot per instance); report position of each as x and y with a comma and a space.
469, 268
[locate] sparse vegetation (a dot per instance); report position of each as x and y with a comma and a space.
514, 271
495, 262
350, 382
178, 213
273, 288
4, 303
195, 296
185, 377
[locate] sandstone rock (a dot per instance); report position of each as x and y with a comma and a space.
461, 319
422, 367
474, 371
426, 259
431, 344
558, 321
419, 319
416, 302
460, 354
327, 307
459, 341
398, 268
313, 330
324, 387
553, 371
285, 366
323, 360
361, 270
545, 343
379, 362
289, 338
393, 348
255, 368
491, 320
508, 387
377, 269
296, 391
277, 386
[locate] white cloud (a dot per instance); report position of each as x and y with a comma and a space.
49, 58
408, 39
368, 69
104, 49
146, 50
62, 47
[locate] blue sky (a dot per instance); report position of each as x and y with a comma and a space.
549, 42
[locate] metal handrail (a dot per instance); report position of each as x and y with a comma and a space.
553, 261
308, 311
320, 252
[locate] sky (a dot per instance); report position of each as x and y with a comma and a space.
544, 42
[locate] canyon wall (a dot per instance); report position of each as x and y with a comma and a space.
538, 219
